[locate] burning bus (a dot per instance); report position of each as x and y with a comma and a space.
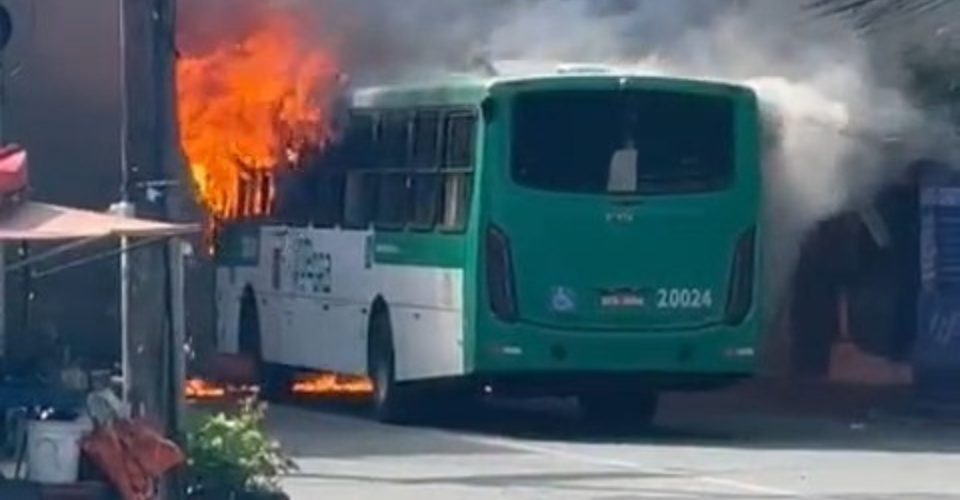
579, 233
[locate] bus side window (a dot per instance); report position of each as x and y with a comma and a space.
393, 203
456, 200
360, 199
459, 152
426, 140
329, 204
425, 182
460, 137
358, 148
393, 196
357, 155
393, 144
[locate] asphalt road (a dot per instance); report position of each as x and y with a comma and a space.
540, 451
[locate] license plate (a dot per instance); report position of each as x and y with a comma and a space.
622, 301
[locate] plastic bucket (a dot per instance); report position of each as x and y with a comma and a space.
53, 450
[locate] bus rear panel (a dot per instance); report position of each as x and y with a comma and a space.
619, 234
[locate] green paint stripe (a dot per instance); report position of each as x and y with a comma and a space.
412, 249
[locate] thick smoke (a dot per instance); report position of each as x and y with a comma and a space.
838, 130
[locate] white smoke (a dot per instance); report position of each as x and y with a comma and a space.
836, 125
832, 116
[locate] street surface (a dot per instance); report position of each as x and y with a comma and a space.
699, 450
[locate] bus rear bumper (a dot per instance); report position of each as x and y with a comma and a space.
664, 358
562, 384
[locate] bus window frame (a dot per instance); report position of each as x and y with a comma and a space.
383, 173
386, 118
336, 180
364, 175
441, 169
367, 165
438, 137
468, 172
404, 179
434, 169
728, 180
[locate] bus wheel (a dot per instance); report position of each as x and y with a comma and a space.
622, 410
273, 382
389, 403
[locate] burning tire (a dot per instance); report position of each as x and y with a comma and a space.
274, 383
391, 402
621, 410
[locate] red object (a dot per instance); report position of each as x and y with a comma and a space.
133, 456
13, 169
14, 178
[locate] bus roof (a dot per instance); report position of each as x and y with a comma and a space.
472, 89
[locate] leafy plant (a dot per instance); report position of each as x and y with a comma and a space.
232, 455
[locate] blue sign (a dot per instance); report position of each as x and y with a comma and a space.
938, 337
563, 300
937, 345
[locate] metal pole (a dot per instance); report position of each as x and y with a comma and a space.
125, 207
178, 255
3, 301
3, 261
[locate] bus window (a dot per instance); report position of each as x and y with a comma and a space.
569, 140
460, 134
426, 197
393, 203
360, 199
425, 186
294, 196
456, 200
394, 141
329, 199
357, 148
426, 135
460, 131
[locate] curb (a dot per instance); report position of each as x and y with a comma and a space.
921, 413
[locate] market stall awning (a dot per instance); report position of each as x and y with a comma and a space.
34, 221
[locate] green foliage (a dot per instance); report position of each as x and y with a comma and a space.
229, 455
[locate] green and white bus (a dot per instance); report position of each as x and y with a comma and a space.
588, 235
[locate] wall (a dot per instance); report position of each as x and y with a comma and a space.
62, 88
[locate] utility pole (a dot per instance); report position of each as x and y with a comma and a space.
142, 319
177, 196
124, 207
6, 31
154, 352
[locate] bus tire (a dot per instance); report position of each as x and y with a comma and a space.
620, 410
272, 381
390, 404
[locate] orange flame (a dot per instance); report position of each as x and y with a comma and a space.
248, 107
329, 384
202, 389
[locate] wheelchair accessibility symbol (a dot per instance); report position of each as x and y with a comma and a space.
563, 300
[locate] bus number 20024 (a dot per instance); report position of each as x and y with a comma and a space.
684, 298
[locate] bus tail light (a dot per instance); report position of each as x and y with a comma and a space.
500, 282
740, 298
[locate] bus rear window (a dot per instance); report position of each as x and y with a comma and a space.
633, 142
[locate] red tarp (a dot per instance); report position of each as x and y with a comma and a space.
133, 455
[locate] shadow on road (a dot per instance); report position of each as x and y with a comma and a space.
682, 422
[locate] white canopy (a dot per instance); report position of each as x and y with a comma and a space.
34, 221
